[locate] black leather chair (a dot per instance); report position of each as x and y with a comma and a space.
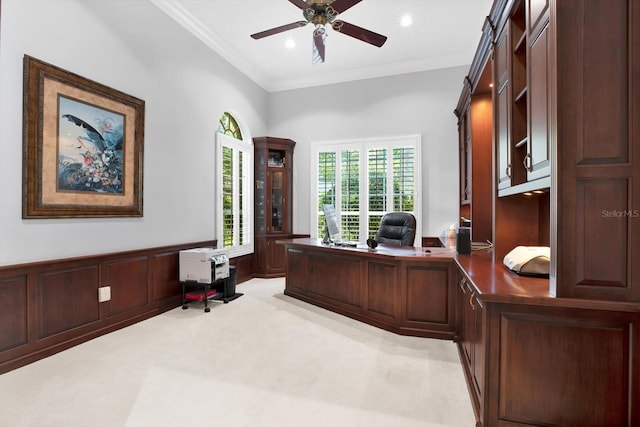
397, 228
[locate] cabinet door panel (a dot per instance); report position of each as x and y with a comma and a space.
539, 155
427, 296
536, 14
577, 369
465, 178
276, 257
277, 197
478, 346
502, 59
503, 150
468, 327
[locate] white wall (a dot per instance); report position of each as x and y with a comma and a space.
417, 103
134, 47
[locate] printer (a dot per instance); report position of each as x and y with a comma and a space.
203, 265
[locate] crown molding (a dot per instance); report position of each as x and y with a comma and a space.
192, 24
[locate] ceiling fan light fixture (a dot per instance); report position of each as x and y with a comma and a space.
331, 14
289, 44
320, 30
308, 14
322, 12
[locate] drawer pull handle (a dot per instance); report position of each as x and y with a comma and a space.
462, 287
471, 301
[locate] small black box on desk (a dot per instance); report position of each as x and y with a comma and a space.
463, 240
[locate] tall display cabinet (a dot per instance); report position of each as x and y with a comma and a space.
273, 196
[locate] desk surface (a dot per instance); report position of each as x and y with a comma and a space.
409, 253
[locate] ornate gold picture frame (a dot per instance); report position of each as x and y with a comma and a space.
82, 146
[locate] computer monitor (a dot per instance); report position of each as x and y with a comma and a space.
332, 226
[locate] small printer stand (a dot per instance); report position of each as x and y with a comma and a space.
220, 290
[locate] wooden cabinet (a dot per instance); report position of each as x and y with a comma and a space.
471, 345
521, 102
561, 366
533, 360
273, 192
567, 147
565, 107
598, 150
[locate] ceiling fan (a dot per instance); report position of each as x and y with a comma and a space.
320, 13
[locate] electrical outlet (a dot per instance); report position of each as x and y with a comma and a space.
104, 293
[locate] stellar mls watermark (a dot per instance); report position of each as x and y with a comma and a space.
631, 213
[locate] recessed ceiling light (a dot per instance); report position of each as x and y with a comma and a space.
406, 20
290, 44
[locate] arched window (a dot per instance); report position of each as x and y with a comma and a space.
229, 126
234, 176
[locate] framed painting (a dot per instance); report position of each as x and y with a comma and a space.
82, 146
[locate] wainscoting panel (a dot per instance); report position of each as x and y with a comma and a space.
49, 306
13, 311
128, 281
68, 299
164, 269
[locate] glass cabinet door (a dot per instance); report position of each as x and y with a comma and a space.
260, 194
277, 200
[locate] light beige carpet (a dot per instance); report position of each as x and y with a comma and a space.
262, 360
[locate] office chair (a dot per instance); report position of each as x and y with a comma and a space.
397, 228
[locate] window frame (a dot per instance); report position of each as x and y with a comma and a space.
247, 149
363, 145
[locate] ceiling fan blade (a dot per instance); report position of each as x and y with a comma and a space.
300, 3
280, 29
342, 5
359, 33
318, 48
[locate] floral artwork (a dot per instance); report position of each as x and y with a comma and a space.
83, 146
90, 148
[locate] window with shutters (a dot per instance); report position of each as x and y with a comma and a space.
234, 176
364, 179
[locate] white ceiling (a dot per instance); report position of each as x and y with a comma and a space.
445, 33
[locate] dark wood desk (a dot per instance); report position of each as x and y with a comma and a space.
406, 290
521, 348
